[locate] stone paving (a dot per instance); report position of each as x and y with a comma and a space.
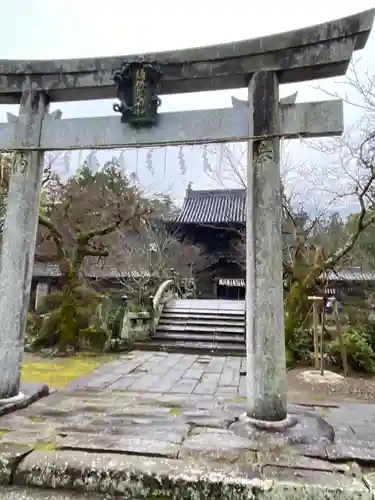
13, 493
153, 425
171, 373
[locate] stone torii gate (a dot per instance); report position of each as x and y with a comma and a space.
261, 64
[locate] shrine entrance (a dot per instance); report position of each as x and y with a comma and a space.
231, 289
140, 81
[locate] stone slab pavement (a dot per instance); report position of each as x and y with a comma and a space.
14, 493
156, 425
158, 372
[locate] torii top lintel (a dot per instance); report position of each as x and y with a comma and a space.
319, 51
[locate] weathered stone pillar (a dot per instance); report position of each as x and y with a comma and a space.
266, 368
42, 290
20, 229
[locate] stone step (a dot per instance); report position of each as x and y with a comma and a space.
183, 336
202, 312
200, 321
166, 313
210, 348
201, 328
212, 304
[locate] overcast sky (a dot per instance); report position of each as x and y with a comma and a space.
48, 29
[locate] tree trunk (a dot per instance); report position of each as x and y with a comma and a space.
69, 325
69, 321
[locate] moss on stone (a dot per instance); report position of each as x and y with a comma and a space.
239, 399
60, 372
45, 446
3, 432
175, 411
39, 446
93, 337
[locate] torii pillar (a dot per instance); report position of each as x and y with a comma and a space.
19, 237
265, 338
265, 335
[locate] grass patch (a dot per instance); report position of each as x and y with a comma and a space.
57, 373
3, 432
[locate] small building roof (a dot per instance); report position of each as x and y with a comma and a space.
220, 206
50, 270
353, 274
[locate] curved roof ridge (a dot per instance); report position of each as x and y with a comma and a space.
214, 206
216, 192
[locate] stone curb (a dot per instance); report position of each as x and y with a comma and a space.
13, 493
33, 392
131, 476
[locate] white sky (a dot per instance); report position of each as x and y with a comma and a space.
50, 29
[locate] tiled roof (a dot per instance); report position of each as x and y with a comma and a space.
42, 270
214, 207
218, 207
350, 275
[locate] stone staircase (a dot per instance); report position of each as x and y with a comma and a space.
200, 326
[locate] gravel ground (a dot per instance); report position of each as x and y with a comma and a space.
354, 388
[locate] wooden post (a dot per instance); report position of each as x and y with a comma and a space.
19, 238
315, 301
265, 337
322, 337
341, 339
315, 334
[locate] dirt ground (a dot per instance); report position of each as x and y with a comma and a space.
355, 388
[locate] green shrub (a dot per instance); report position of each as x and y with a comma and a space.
368, 326
360, 354
30, 324
68, 320
290, 359
299, 346
115, 319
